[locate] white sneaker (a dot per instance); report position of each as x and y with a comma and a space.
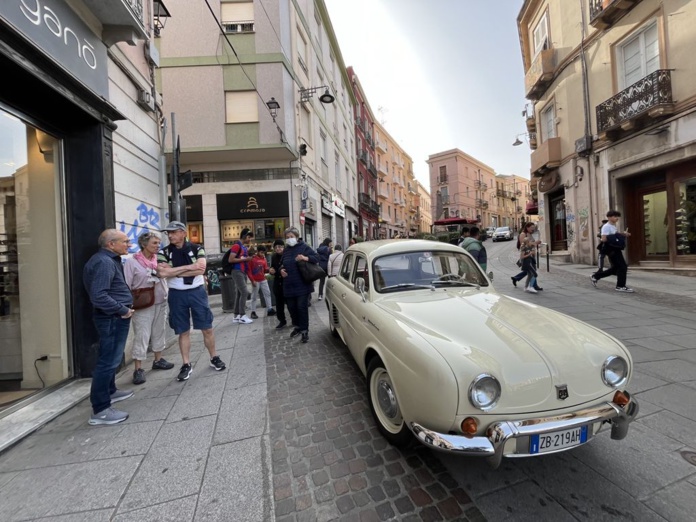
531, 290
245, 320
236, 318
624, 289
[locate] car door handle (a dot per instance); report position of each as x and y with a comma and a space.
343, 296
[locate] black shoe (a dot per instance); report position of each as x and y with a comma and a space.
139, 376
254, 316
514, 282
281, 325
305, 337
270, 312
538, 289
295, 332
162, 365
184, 373
216, 363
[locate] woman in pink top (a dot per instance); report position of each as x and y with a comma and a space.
148, 323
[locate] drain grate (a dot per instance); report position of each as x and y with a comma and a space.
689, 456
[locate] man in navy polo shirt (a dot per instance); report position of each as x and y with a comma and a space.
112, 299
183, 264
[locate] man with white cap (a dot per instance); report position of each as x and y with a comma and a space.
183, 264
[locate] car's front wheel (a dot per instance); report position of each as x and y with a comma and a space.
384, 406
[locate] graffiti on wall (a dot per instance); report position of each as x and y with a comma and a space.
570, 224
583, 224
146, 218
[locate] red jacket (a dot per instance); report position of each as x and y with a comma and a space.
257, 268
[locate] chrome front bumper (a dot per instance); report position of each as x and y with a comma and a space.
492, 446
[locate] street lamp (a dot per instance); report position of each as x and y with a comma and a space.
273, 107
518, 141
306, 94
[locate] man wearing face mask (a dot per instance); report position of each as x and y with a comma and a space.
295, 290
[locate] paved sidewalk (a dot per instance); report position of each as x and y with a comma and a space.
196, 450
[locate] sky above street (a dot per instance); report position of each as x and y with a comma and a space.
447, 74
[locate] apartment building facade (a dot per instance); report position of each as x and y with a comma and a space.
424, 215
613, 124
397, 189
264, 110
463, 190
512, 194
80, 151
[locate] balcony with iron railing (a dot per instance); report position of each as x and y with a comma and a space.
363, 156
371, 168
540, 74
381, 145
122, 20
367, 203
636, 106
605, 13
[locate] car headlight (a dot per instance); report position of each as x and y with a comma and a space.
484, 392
615, 371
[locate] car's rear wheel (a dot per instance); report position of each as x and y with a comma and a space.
384, 405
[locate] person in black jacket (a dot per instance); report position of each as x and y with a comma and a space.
295, 290
324, 251
276, 262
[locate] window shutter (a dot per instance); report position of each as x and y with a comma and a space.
241, 107
237, 12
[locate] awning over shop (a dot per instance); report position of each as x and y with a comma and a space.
455, 221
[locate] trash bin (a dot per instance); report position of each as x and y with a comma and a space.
212, 273
228, 290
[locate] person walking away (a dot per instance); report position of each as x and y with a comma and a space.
276, 262
295, 289
258, 267
148, 323
614, 242
324, 252
474, 246
335, 261
111, 301
183, 264
238, 257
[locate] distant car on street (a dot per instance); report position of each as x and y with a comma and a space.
490, 231
467, 370
502, 234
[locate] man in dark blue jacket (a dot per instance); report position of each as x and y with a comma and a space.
111, 298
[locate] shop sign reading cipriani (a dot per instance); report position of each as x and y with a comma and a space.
55, 29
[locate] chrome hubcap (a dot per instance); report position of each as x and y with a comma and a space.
387, 400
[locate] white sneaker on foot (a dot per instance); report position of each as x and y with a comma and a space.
236, 318
531, 290
624, 289
245, 320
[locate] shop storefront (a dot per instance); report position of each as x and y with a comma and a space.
265, 213
56, 194
326, 218
661, 215
339, 210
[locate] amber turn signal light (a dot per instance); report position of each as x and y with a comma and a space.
469, 426
621, 398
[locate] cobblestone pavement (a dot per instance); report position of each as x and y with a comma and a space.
329, 461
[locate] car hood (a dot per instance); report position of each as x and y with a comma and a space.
530, 349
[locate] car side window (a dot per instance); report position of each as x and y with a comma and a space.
362, 270
347, 266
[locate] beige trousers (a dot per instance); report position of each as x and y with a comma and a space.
149, 330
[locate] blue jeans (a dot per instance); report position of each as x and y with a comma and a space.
299, 311
113, 332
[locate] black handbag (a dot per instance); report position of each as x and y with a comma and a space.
310, 272
616, 241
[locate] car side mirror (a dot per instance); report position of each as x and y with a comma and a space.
359, 287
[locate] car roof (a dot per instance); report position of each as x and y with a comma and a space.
397, 246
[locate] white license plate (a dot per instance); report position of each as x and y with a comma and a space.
556, 440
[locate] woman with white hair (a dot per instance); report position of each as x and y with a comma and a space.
295, 290
148, 323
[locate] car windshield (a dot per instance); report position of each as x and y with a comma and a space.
502, 229
426, 269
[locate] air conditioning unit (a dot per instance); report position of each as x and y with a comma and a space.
145, 100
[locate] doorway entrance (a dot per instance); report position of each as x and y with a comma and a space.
559, 231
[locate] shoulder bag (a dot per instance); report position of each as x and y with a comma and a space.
143, 297
310, 272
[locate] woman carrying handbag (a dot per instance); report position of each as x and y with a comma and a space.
148, 320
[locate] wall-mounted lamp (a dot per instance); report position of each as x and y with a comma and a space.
518, 141
306, 94
273, 107
159, 16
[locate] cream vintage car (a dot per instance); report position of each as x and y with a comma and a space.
466, 369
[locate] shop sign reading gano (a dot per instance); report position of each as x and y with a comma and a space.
55, 29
